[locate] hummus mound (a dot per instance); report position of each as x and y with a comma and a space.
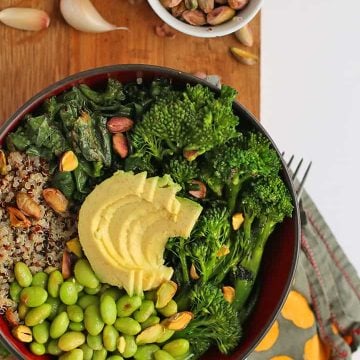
124, 224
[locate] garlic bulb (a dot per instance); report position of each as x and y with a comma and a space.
25, 18
82, 15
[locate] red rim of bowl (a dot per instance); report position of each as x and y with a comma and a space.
152, 71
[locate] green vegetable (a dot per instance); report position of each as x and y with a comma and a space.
127, 326
71, 340
37, 315
37, 349
85, 275
59, 325
126, 305
33, 296
68, 293
41, 332
22, 274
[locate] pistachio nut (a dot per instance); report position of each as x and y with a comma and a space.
55, 199
150, 334
245, 36
17, 218
197, 18
119, 124
165, 293
221, 2
200, 189
224, 250
22, 333
178, 9
229, 293
191, 155
237, 4
170, 3
179, 321
244, 56
28, 205
3, 163
193, 273
237, 220
206, 5
11, 317
120, 145
220, 15
191, 4
68, 161
74, 247
66, 265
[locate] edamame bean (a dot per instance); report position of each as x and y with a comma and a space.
71, 340
165, 336
75, 313
33, 296
145, 352
59, 325
37, 349
150, 295
162, 355
75, 354
52, 348
22, 311
41, 332
178, 347
92, 320
100, 354
37, 315
114, 292
110, 336
55, 303
93, 291
86, 300
15, 290
127, 346
85, 275
144, 312
94, 341
68, 293
108, 309
170, 309
22, 274
76, 326
54, 282
87, 351
126, 305
127, 325
115, 357
152, 320
40, 279
78, 286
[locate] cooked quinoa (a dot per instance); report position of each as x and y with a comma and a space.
41, 244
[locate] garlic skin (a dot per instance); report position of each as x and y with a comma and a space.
83, 16
25, 18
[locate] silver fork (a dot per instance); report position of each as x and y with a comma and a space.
300, 186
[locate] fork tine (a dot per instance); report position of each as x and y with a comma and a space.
297, 169
301, 186
290, 161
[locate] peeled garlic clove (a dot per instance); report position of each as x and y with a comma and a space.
82, 15
25, 18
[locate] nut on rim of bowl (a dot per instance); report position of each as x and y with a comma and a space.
241, 18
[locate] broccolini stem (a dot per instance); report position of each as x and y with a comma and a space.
183, 262
232, 196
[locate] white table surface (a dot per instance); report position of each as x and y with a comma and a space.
311, 100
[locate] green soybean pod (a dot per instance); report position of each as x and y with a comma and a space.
93, 291
114, 292
40, 279
152, 320
75, 313
126, 305
33, 296
177, 347
68, 293
110, 336
41, 332
145, 352
55, 303
15, 290
54, 282
75, 354
71, 340
100, 354
108, 309
127, 346
127, 325
94, 341
87, 351
52, 348
37, 349
170, 309
59, 325
37, 315
85, 275
22, 274
145, 311
92, 320
115, 357
76, 326
86, 300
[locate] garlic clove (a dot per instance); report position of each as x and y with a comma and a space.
25, 18
83, 16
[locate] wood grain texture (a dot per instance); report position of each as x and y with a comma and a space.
31, 61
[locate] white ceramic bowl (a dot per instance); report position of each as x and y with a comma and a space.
241, 18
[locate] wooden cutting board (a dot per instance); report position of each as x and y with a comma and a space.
30, 61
